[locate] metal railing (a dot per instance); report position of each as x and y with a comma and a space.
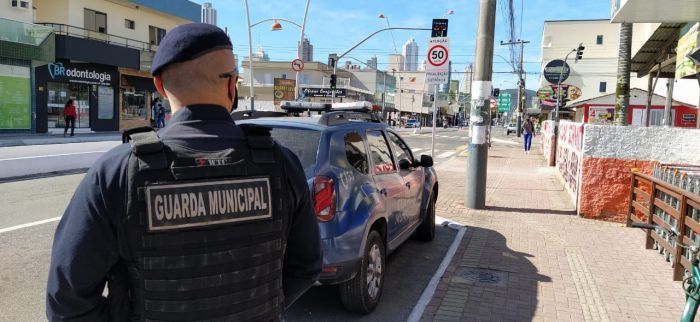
670, 198
68, 30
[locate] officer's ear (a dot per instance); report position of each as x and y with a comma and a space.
233, 92
158, 81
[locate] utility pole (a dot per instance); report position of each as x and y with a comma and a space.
521, 83
622, 89
475, 185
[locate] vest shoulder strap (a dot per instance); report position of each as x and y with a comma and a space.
147, 147
260, 142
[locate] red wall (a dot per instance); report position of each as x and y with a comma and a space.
677, 122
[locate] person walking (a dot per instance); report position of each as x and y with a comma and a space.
154, 111
202, 220
161, 115
69, 114
528, 133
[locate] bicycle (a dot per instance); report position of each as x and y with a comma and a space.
691, 284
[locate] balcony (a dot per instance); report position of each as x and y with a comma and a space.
26, 41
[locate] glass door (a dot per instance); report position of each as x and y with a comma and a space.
59, 94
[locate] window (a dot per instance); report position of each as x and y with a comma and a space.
602, 87
356, 153
400, 149
129, 24
20, 4
303, 143
95, 20
599, 40
155, 35
381, 155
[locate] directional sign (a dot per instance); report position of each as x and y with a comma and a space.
504, 102
297, 65
437, 69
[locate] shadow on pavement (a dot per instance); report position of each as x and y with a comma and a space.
410, 269
534, 211
499, 283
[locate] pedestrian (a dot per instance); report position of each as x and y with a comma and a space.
69, 114
528, 133
161, 116
203, 220
154, 111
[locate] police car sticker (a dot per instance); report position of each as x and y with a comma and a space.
177, 206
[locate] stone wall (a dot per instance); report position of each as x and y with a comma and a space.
609, 153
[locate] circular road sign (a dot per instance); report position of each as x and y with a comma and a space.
437, 55
553, 71
297, 65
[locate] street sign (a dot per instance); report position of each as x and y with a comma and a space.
504, 102
297, 65
437, 69
439, 28
322, 92
553, 70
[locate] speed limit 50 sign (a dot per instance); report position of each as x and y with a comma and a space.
437, 69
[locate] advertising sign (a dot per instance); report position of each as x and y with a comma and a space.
284, 90
15, 110
687, 42
437, 70
555, 69
82, 73
105, 103
323, 92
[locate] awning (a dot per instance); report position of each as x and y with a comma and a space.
140, 83
636, 11
658, 51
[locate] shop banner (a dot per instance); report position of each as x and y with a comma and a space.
687, 42
284, 90
15, 105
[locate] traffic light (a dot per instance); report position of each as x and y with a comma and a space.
579, 52
496, 92
333, 81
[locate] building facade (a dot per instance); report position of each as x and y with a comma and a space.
372, 63
306, 50
396, 63
208, 14
102, 57
410, 54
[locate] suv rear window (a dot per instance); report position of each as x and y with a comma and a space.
303, 142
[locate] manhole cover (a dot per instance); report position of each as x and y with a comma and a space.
470, 275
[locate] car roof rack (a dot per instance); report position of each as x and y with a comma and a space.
343, 117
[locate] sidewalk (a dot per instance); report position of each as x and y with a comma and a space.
56, 138
529, 257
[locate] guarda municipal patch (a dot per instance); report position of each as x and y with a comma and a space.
177, 206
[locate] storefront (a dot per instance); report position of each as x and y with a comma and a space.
15, 98
136, 93
94, 89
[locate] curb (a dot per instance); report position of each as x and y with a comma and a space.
44, 175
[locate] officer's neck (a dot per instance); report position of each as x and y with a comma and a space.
178, 104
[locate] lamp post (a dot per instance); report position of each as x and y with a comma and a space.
556, 109
276, 26
388, 25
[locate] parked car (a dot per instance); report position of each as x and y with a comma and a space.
412, 123
370, 195
511, 128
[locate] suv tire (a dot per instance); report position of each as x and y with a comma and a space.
361, 294
426, 230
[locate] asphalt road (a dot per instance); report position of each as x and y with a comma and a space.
30, 210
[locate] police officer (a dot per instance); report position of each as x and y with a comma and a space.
204, 220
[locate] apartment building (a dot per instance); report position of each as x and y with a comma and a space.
103, 53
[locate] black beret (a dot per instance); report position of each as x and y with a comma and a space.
187, 42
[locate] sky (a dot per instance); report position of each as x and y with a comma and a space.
334, 26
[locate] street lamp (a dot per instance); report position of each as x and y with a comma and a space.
276, 26
382, 16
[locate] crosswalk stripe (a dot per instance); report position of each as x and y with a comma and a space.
416, 149
446, 154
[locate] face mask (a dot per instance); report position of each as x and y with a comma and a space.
234, 99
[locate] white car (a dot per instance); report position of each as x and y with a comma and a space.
511, 128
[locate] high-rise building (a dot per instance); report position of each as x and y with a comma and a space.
305, 50
372, 63
396, 62
410, 54
208, 13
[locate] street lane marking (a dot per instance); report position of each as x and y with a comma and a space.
504, 141
416, 149
51, 155
35, 223
446, 154
429, 290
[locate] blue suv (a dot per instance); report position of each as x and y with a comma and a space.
370, 194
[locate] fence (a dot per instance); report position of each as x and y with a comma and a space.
669, 198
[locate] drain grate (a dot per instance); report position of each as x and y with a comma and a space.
470, 275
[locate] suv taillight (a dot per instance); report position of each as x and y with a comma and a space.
324, 198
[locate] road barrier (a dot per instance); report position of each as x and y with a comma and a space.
669, 198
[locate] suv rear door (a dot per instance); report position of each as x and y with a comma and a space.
389, 183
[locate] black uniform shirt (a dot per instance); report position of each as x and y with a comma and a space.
85, 244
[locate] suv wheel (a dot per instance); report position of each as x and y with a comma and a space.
362, 293
426, 230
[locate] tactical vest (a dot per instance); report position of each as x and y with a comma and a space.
203, 234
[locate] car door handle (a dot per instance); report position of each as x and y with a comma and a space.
408, 185
383, 192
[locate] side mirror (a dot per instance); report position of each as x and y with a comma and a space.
404, 164
426, 160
